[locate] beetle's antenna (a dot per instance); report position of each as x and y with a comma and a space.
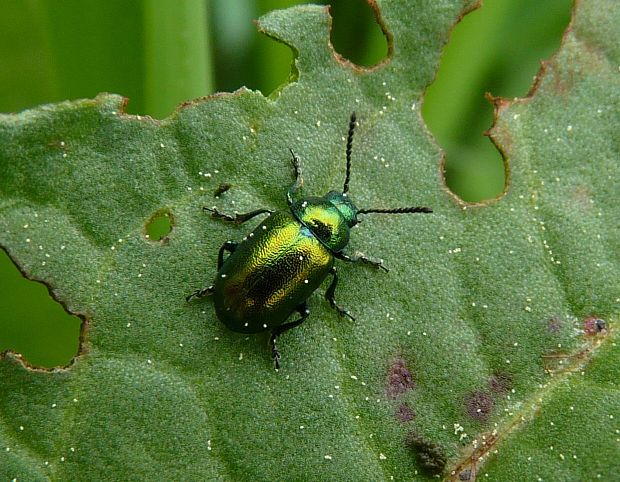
411, 210
349, 147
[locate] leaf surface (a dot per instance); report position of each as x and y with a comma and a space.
480, 346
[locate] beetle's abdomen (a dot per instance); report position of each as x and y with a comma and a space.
275, 268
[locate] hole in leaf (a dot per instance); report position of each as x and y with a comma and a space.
495, 49
32, 322
159, 226
242, 55
356, 35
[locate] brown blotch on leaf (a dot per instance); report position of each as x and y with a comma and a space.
594, 325
430, 456
479, 405
500, 383
221, 189
404, 413
399, 379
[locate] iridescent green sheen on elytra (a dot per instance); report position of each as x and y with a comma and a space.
269, 274
275, 269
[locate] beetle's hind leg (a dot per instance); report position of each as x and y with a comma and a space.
200, 293
236, 217
329, 295
303, 310
229, 246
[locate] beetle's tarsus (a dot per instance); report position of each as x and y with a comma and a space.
299, 181
236, 218
275, 355
343, 312
303, 310
362, 258
200, 293
217, 214
296, 167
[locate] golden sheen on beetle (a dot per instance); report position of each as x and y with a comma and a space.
272, 272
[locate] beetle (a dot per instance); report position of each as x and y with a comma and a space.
274, 270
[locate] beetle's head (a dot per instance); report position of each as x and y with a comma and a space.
324, 219
347, 209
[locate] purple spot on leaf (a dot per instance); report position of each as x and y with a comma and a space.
479, 405
404, 413
554, 324
399, 379
500, 383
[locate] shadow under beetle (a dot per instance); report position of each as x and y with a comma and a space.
275, 269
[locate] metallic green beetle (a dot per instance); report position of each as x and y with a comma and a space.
276, 268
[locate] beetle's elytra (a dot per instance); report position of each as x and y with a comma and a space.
275, 269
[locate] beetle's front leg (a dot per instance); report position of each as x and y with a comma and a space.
236, 217
359, 257
303, 310
329, 295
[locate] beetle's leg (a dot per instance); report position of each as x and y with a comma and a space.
303, 310
290, 195
200, 293
329, 295
229, 246
378, 263
236, 218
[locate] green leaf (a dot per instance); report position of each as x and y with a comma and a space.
479, 346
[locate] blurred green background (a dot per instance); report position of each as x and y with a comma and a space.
162, 52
